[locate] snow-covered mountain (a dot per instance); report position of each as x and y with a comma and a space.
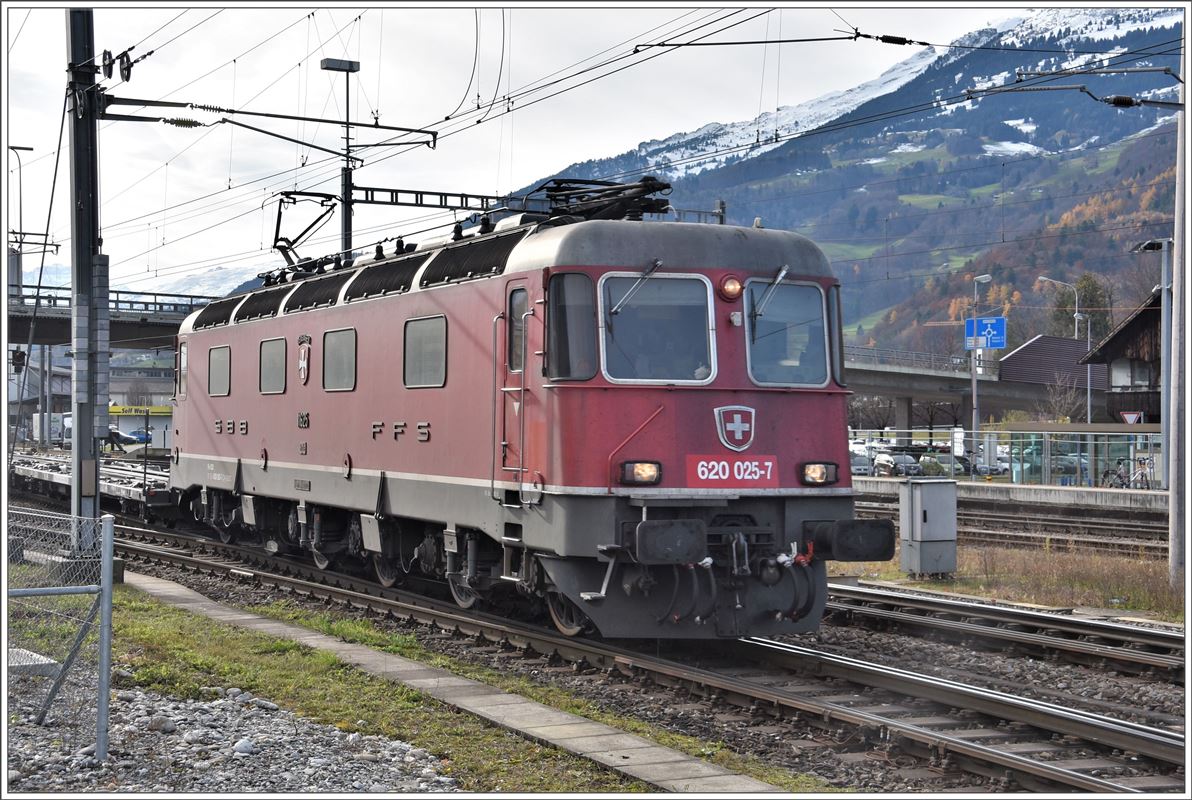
682, 153
717, 144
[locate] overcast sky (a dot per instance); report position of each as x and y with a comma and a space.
416, 69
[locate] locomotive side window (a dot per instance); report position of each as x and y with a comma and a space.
660, 331
571, 337
181, 369
272, 375
425, 358
786, 341
219, 371
515, 347
339, 360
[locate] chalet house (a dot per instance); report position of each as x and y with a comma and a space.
1132, 350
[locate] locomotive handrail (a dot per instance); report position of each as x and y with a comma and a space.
497, 397
521, 399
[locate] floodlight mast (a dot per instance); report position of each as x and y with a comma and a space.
345, 224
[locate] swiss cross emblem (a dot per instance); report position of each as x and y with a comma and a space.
735, 426
303, 358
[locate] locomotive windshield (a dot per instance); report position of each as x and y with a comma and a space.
661, 332
787, 344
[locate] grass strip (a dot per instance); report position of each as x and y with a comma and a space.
175, 652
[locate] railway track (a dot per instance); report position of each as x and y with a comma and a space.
1137, 538
1125, 648
885, 713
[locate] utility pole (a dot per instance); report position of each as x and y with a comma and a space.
88, 272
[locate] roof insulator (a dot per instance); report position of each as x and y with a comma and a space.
457, 232
380, 253
400, 247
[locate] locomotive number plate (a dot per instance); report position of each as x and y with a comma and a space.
732, 471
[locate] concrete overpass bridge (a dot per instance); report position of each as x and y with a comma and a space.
910, 377
138, 320
147, 320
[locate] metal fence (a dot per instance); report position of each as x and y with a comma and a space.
1057, 458
59, 615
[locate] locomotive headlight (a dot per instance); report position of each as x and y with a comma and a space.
730, 287
819, 474
641, 472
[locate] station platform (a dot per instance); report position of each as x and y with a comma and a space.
1013, 494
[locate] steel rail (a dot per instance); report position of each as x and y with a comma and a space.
1128, 635
1041, 641
617, 659
1154, 743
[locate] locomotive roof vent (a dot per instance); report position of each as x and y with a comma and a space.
394, 277
479, 258
217, 313
262, 304
321, 292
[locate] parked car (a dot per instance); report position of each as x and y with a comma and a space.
898, 464
141, 435
860, 465
121, 436
953, 464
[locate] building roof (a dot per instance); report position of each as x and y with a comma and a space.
1050, 360
1137, 336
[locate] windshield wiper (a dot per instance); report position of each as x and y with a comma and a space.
773, 287
641, 279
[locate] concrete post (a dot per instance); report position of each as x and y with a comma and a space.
902, 419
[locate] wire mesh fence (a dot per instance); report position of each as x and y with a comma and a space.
59, 600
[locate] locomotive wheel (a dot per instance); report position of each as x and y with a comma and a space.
568, 618
386, 570
465, 596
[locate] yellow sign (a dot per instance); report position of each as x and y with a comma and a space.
140, 411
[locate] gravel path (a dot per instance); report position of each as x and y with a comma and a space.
231, 742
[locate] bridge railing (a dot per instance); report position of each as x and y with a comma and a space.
119, 300
911, 359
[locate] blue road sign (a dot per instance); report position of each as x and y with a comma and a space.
987, 333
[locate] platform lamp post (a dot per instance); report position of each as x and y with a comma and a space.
977, 281
1163, 245
345, 226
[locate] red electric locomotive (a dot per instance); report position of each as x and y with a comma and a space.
642, 424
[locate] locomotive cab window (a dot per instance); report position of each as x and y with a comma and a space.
786, 334
219, 371
272, 374
425, 362
516, 344
180, 370
339, 360
571, 332
657, 329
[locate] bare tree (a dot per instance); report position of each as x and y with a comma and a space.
139, 394
868, 412
1064, 401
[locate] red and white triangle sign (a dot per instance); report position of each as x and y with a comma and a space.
1131, 417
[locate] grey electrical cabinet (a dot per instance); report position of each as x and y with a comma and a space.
927, 526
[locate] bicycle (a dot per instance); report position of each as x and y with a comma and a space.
1120, 479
